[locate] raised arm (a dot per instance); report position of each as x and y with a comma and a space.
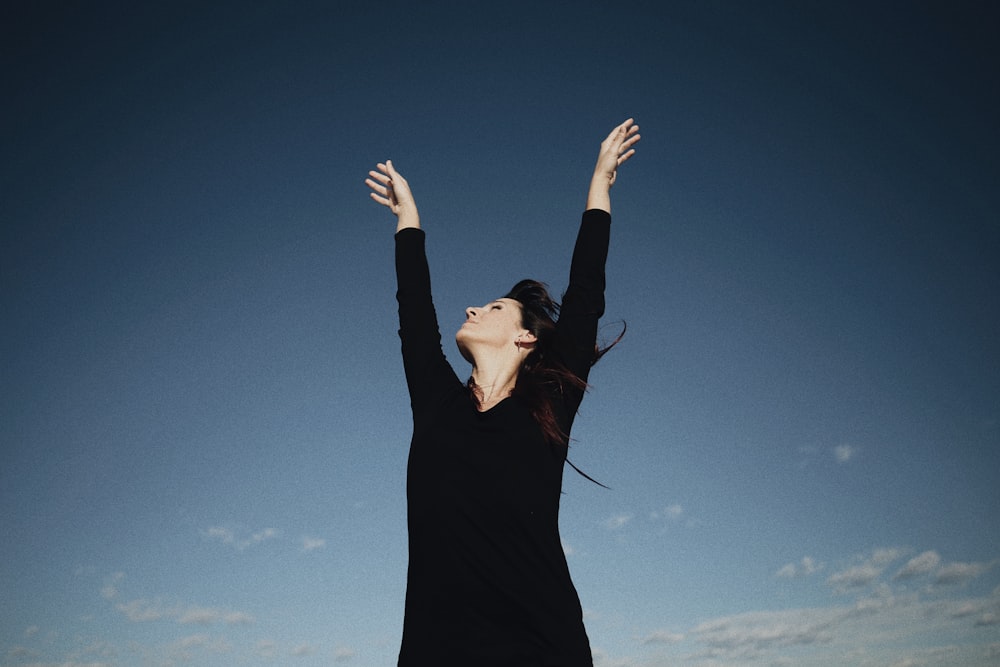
428, 374
391, 190
616, 149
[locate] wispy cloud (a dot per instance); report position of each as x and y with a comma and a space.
312, 543
886, 617
228, 536
144, 611
663, 637
919, 565
953, 574
865, 573
110, 589
237, 618
343, 653
616, 522
748, 635
803, 568
829, 634
183, 649
208, 616
844, 453
141, 611
670, 512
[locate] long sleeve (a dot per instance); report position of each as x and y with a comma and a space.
428, 374
583, 302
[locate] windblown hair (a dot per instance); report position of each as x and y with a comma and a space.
543, 374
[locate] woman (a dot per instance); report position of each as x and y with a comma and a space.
487, 582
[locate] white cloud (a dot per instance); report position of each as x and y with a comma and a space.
141, 611
225, 535
988, 619
181, 649
803, 568
228, 536
954, 574
844, 453
886, 625
616, 522
663, 637
568, 549
865, 574
303, 650
879, 629
882, 557
747, 635
237, 618
670, 512
312, 543
343, 653
919, 565
110, 589
199, 615
266, 534
193, 641
858, 576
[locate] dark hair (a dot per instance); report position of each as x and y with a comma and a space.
543, 374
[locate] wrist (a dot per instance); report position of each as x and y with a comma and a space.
599, 198
407, 218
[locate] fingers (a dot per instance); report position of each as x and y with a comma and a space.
622, 159
629, 135
384, 176
381, 200
389, 188
626, 149
380, 183
382, 187
624, 130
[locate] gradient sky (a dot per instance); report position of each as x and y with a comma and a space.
203, 419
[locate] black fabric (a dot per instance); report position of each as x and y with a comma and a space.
487, 582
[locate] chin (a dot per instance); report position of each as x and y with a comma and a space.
464, 351
460, 341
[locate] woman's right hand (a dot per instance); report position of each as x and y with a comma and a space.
390, 189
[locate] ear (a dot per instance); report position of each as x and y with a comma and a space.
527, 338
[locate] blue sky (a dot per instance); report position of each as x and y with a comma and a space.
202, 411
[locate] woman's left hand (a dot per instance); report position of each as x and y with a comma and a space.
616, 149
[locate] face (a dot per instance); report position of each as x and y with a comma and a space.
497, 325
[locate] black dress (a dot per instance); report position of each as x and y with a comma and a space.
487, 582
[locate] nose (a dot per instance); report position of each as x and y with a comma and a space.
470, 312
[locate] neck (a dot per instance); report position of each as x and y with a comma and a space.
494, 380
